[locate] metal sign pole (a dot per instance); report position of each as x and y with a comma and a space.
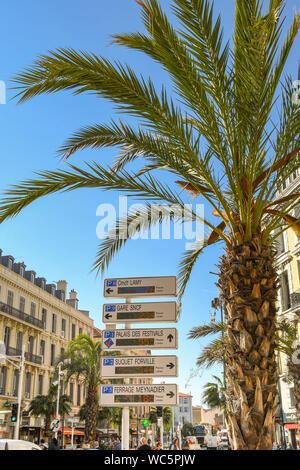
125, 410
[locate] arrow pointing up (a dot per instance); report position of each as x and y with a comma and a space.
170, 337
171, 365
170, 394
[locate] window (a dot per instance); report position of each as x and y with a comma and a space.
63, 327
40, 385
30, 344
19, 342
73, 331
3, 376
62, 350
27, 385
44, 316
22, 304
78, 395
52, 358
285, 291
80, 331
6, 337
32, 309
15, 386
10, 298
72, 392
53, 323
42, 349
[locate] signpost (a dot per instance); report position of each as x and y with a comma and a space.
139, 366
147, 312
127, 395
154, 338
138, 395
134, 287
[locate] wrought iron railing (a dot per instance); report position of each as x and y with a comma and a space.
21, 315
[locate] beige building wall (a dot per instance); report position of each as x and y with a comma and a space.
46, 325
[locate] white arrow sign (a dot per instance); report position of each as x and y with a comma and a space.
147, 338
139, 395
139, 366
164, 286
145, 312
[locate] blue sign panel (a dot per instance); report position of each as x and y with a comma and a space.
107, 389
110, 308
108, 362
111, 283
109, 334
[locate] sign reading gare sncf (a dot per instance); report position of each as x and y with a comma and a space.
146, 312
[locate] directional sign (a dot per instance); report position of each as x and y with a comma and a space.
139, 395
146, 312
139, 366
147, 338
164, 286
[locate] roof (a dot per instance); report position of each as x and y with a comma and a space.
185, 395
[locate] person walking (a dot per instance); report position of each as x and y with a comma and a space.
44, 445
144, 445
54, 444
174, 444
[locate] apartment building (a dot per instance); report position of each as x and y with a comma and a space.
288, 268
183, 413
37, 316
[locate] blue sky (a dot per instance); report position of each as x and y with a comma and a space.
57, 235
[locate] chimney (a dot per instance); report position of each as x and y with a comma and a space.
62, 286
73, 301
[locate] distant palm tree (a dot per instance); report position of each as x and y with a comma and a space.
218, 137
45, 405
82, 360
213, 395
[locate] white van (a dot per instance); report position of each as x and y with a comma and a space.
15, 444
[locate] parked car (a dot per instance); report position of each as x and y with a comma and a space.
15, 444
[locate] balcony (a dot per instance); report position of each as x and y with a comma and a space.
5, 308
30, 357
295, 299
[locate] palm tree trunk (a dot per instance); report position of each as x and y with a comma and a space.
248, 284
91, 415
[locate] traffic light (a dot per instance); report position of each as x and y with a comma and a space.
159, 411
14, 412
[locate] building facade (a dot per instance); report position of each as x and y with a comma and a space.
183, 413
288, 268
39, 318
212, 417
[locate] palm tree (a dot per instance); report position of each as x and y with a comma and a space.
82, 360
45, 405
213, 394
221, 139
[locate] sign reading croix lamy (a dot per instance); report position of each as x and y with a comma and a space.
164, 286
147, 338
145, 312
139, 395
139, 366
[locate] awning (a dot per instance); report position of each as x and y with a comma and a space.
291, 426
68, 431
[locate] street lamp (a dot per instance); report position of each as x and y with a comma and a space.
57, 382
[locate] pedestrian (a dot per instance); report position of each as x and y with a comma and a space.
290, 447
144, 445
54, 444
158, 446
174, 444
119, 445
186, 445
44, 445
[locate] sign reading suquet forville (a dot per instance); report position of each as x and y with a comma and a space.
139, 366
145, 312
147, 338
138, 395
133, 287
